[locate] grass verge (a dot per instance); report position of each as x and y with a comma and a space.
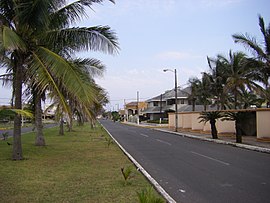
82, 166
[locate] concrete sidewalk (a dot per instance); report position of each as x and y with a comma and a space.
248, 142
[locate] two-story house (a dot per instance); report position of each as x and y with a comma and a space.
159, 106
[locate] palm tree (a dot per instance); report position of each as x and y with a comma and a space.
239, 75
237, 117
249, 99
33, 35
204, 95
211, 116
260, 51
217, 77
194, 85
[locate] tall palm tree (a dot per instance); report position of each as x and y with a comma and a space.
200, 91
239, 75
260, 51
217, 77
32, 36
204, 95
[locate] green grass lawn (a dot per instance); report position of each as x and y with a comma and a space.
77, 167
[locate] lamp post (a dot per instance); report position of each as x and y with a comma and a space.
175, 86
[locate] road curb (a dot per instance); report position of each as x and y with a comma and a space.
240, 145
143, 171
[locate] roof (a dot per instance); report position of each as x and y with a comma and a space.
188, 108
171, 108
156, 109
170, 94
132, 104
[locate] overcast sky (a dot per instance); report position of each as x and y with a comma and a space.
159, 34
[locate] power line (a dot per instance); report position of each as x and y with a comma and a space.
127, 99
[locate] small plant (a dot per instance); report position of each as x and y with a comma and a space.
109, 141
147, 196
127, 172
5, 135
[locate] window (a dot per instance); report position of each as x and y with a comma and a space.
171, 102
182, 101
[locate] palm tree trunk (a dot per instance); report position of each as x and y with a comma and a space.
193, 104
17, 143
204, 106
235, 99
238, 133
40, 141
70, 123
61, 129
213, 129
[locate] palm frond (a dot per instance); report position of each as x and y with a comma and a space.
250, 43
74, 80
93, 67
10, 40
34, 14
100, 38
43, 78
9, 111
262, 26
7, 11
67, 15
207, 116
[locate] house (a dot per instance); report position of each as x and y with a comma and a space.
131, 109
159, 106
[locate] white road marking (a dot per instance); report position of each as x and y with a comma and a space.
144, 135
213, 159
183, 191
164, 142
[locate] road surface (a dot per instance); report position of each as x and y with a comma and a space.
192, 170
26, 130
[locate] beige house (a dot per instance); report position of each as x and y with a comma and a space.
131, 109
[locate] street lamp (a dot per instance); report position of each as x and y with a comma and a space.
175, 86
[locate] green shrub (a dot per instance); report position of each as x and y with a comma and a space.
148, 196
157, 121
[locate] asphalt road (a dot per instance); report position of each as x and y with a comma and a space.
27, 129
192, 170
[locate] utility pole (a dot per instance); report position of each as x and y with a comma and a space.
126, 113
175, 89
138, 119
161, 116
176, 110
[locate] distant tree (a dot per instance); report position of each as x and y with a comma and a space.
194, 86
203, 91
248, 99
115, 116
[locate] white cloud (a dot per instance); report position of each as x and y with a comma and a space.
218, 3
174, 55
